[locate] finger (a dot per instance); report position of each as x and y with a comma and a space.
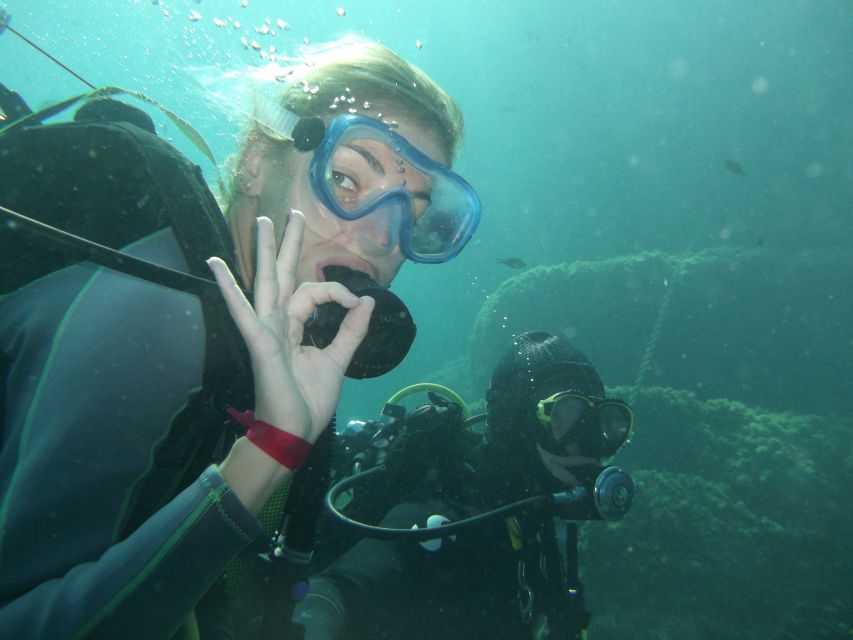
352, 332
310, 295
266, 283
238, 306
287, 262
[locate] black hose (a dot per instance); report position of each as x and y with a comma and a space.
419, 535
50, 57
83, 249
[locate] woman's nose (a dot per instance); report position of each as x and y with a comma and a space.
378, 233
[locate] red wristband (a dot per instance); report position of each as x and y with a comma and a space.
285, 448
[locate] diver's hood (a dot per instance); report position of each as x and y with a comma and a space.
389, 335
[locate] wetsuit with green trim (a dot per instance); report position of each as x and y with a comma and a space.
100, 364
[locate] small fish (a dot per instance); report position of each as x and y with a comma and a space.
735, 167
513, 263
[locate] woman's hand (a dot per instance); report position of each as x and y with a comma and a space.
296, 387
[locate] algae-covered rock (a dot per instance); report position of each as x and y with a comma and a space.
770, 329
741, 525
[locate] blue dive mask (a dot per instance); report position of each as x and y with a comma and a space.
362, 167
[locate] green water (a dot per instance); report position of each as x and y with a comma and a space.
599, 130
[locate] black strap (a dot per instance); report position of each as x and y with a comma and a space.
298, 526
568, 617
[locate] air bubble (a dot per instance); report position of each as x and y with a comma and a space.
341, 11
760, 86
815, 169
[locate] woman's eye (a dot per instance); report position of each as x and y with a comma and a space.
343, 181
419, 206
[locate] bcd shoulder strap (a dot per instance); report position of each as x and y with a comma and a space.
114, 183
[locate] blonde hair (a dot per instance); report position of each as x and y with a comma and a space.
354, 73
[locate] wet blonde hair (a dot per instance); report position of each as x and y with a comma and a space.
354, 73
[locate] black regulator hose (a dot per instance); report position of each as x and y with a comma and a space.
606, 494
83, 249
419, 535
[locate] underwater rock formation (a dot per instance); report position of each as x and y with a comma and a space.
738, 364
770, 329
741, 525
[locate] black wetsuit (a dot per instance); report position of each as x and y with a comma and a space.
467, 588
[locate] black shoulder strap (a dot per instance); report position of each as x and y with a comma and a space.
568, 617
84, 178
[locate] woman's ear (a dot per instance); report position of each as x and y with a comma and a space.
250, 174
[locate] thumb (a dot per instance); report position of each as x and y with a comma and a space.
352, 332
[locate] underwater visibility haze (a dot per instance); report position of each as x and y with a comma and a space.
669, 185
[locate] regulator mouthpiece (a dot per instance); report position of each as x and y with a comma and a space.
389, 335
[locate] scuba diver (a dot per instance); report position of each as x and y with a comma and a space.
125, 489
496, 571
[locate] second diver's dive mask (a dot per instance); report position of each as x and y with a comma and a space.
600, 426
363, 169
389, 335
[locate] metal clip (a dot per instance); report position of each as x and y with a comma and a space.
525, 594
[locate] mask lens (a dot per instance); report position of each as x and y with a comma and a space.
445, 224
355, 174
615, 420
566, 414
